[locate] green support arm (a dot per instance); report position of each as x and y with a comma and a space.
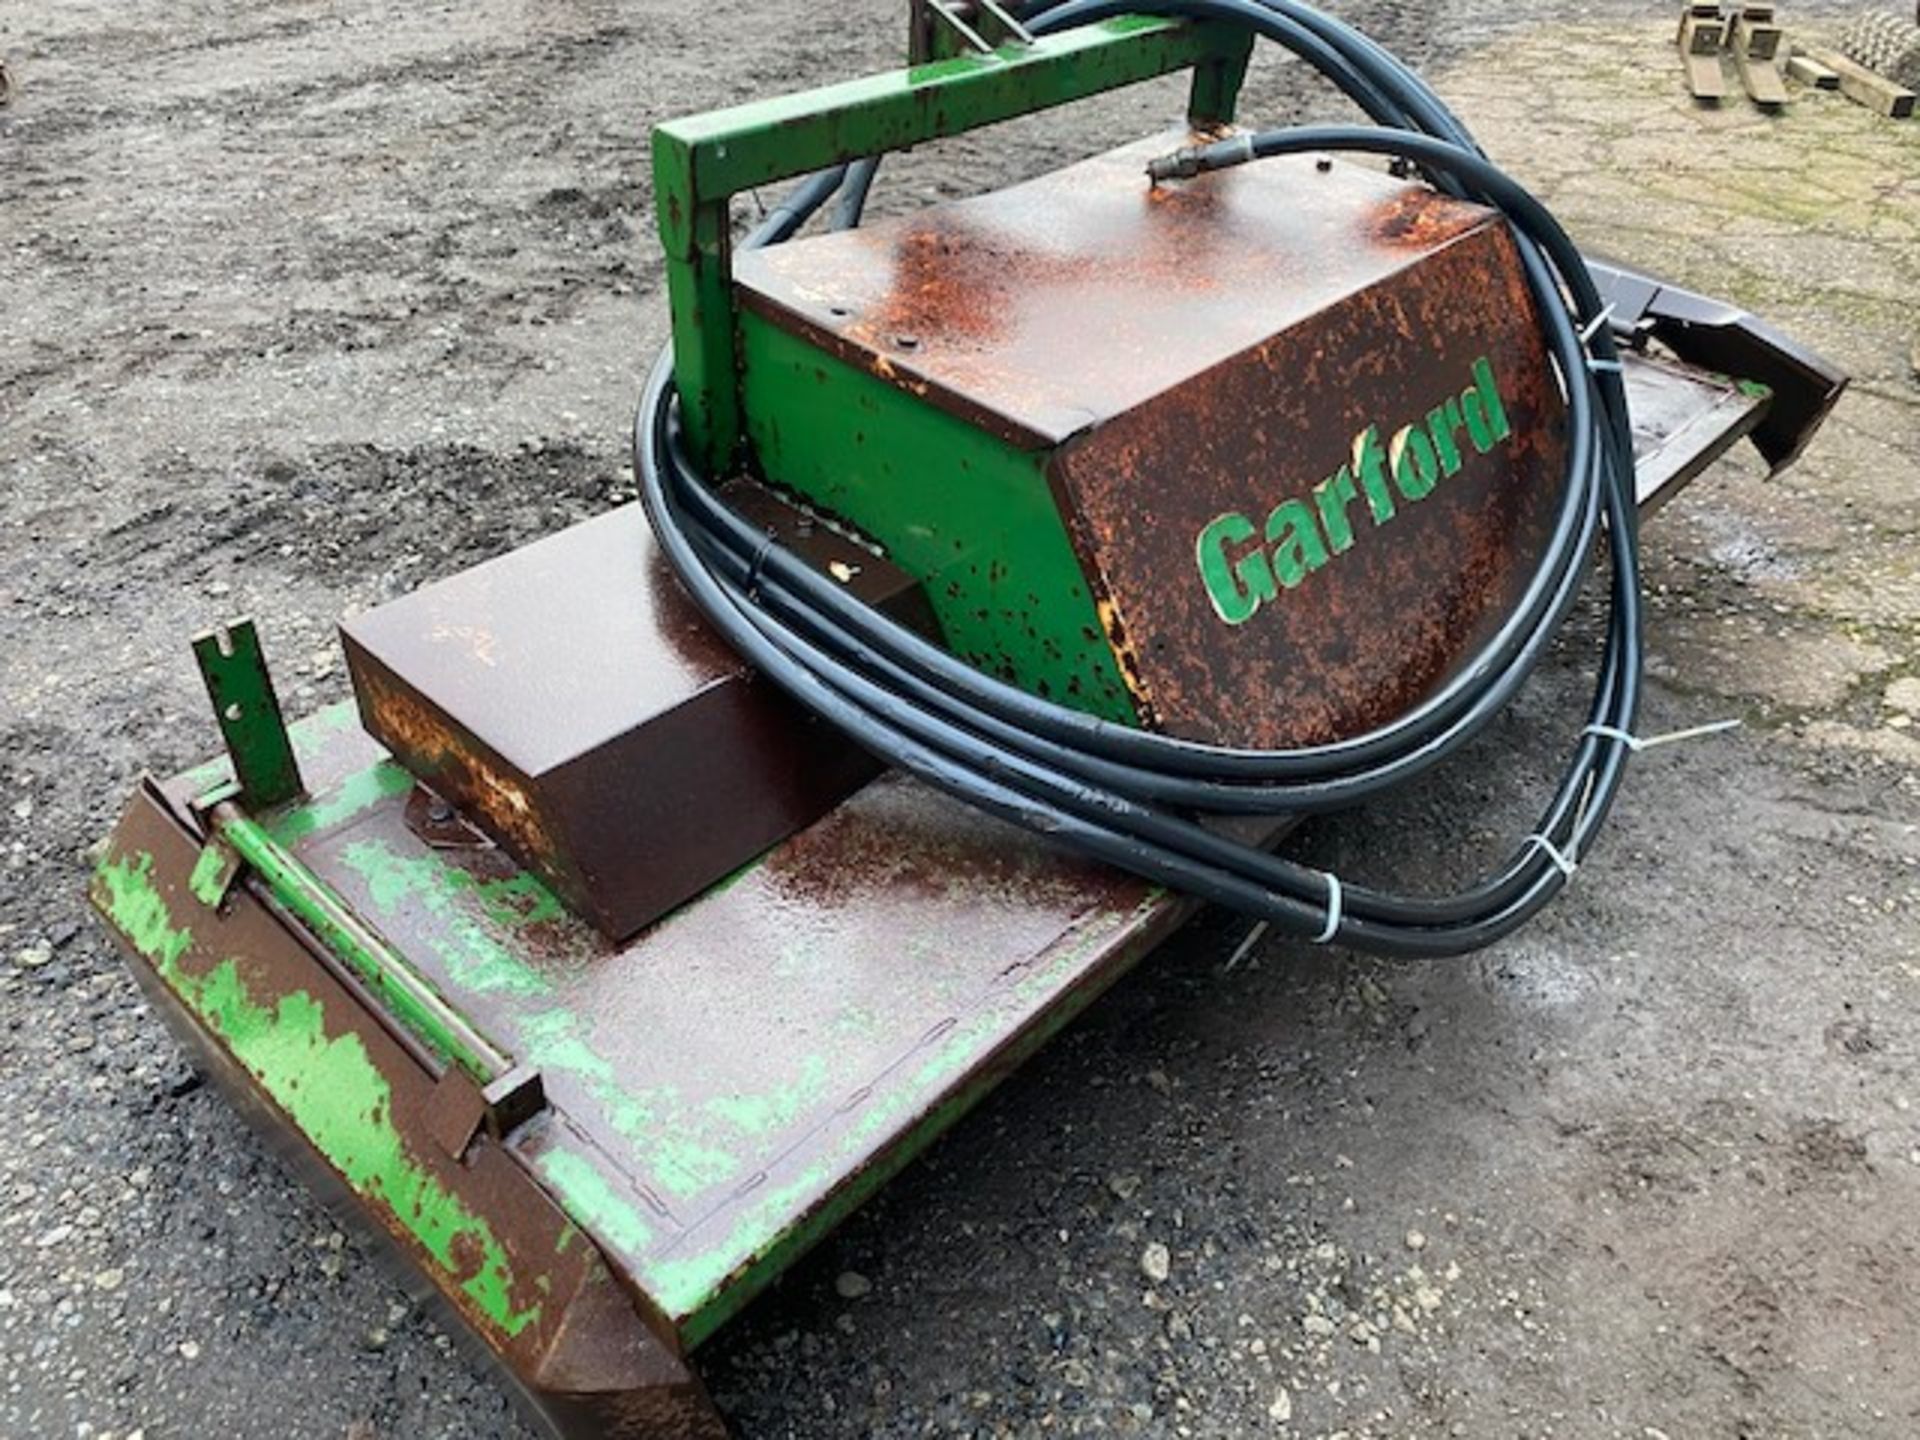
701, 162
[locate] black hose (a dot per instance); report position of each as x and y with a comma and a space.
1131, 797
853, 199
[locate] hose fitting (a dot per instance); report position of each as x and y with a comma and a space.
1192, 160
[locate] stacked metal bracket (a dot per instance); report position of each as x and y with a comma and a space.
1749, 38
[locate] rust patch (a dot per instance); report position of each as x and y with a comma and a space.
1420, 219
1211, 348
462, 769
587, 1351
1039, 310
1384, 619
1123, 654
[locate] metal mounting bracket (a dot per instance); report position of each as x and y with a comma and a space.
980, 25
248, 710
702, 161
214, 873
462, 1110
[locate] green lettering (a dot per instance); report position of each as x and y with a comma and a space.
1411, 459
1373, 480
1333, 495
1297, 548
1444, 426
1485, 413
1241, 573
1236, 585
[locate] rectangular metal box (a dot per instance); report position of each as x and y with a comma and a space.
1255, 458
570, 701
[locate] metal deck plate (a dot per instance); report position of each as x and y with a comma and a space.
727, 1086
983, 305
1683, 420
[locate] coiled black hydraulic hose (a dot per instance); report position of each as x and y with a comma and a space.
1134, 798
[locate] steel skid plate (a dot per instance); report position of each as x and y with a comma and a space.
720, 1091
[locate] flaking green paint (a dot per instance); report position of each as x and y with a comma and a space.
856, 1022
682, 1159
707, 1288
339, 1099
474, 959
410, 996
682, 1164
207, 878
766, 1112
552, 1041
679, 1159
138, 912
969, 514
687, 1148
593, 1203
352, 797
326, 1084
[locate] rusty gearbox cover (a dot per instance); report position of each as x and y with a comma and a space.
1295, 423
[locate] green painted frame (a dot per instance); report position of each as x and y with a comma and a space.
987, 540
702, 162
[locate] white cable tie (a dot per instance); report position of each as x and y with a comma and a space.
1240, 951
1593, 326
1637, 743
1586, 799
1333, 909
1597, 365
1561, 862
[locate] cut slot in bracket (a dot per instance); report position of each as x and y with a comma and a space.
248, 711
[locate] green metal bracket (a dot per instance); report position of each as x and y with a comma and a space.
480, 1083
405, 993
244, 702
700, 163
214, 873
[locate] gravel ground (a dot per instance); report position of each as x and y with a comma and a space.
308, 303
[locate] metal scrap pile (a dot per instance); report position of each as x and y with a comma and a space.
1875, 60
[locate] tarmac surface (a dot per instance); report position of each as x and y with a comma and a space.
308, 304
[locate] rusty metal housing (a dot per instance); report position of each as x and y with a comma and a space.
1303, 317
